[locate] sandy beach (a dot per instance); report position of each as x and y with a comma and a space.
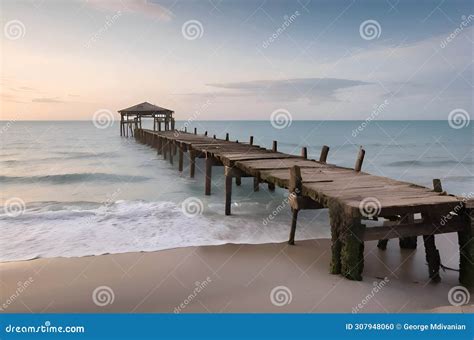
231, 279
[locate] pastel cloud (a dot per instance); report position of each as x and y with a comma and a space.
148, 8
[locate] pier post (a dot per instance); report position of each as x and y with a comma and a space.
304, 152
409, 242
295, 188
195, 131
271, 186
180, 159
352, 250
165, 148
192, 163
159, 145
335, 219
432, 255
228, 189
256, 183
227, 136
324, 154
251, 140
347, 245
208, 183
360, 160
171, 151
466, 247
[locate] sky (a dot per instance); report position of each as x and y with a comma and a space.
232, 60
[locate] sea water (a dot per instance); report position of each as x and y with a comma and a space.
78, 188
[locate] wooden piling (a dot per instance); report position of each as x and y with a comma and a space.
227, 136
171, 152
180, 159
228, 189
437, 187
195, 131
251, 140
304, 152
295, 188
192, 163
256, 183
324, 154
360, 159
409, 242
275, 146
208, 174
159, 145
466, 247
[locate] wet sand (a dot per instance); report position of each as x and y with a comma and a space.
231, 278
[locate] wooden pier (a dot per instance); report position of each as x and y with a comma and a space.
351, 196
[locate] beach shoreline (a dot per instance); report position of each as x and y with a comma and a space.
231, 278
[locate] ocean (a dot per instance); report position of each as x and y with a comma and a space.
74, 189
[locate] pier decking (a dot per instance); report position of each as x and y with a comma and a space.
350, 194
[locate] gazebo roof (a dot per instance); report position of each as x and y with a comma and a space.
145, 108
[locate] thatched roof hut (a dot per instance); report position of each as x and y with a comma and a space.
133, 116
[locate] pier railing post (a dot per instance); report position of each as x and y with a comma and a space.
275, 146
360, 159
304, 152
324, 154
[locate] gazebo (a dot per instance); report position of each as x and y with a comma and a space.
131, 118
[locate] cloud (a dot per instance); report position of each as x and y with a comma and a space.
47, 100
144, 7
11, 98
288, 89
